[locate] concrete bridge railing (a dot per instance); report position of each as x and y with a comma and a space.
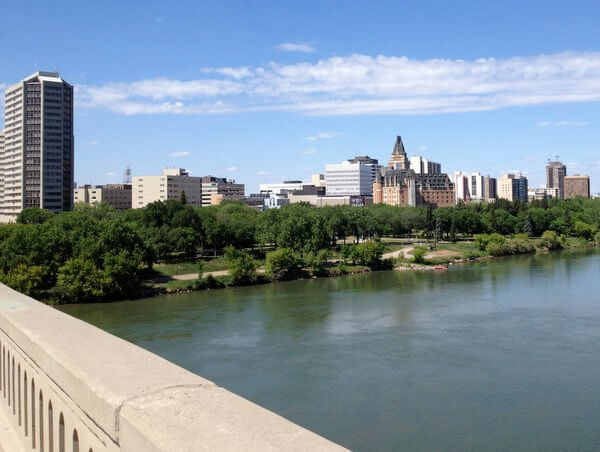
66, 385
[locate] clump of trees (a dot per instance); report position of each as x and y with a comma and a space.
97, 254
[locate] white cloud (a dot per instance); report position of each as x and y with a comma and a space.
179, 154
309, 151
562, 123
111, 174
322, 135
158, 19
363, 85
301, 47
422, 148
231, 168
93, 142
262, 173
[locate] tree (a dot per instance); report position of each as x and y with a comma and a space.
241, 266
26, 279
182, 198
34, 215
369, 253
80, 280
316, 262
283, 263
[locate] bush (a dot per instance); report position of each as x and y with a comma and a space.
509, 247
241, 266
283, 263
551, 241
473, 254
483, 240
419, 253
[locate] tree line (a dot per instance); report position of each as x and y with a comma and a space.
97, 253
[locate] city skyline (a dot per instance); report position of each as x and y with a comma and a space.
192, 97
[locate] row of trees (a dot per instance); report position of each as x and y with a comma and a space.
97, 253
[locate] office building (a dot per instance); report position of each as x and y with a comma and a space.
489, 188
277, 188
36, 163
118, 196
372, 163
218, 189
1, 169
473, 187
171, 185
512, 186
421, 165
318, 180
577, 186
348, 179
555, 177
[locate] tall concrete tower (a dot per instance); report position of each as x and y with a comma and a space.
36, 164
555, 177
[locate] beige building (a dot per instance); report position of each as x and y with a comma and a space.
171, 185
36, 161
217, 189
118, 196
318, 180
577, 186
555, 177
512, 186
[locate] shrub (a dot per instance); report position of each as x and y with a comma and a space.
283, 263
473, 254
551, 241
241, 266
483, 240
508, 247
80, 280
419, 253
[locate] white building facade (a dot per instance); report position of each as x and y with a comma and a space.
421, 165
348, 179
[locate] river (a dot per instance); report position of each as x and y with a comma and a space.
498, 355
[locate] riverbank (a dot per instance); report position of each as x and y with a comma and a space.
401, 259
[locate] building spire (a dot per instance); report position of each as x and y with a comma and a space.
399, 160
399, 147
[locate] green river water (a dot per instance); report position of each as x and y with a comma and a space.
498, 355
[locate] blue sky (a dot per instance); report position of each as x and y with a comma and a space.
261, 91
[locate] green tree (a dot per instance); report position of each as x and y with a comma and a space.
370, 252
34, 215
80, 280
283, 263
419, 253
241, 266
26, 279
182, 198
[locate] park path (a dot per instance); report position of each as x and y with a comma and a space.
190, 276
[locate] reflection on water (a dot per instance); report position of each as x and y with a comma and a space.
503, 354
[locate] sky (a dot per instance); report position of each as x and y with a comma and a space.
262, 91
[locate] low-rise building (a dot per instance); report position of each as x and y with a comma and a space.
218, 189
171, 185
118, 196
577, 186
318, 180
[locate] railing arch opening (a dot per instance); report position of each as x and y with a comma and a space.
75, 441
19, 396
25, 417
61, 433
50, 427
32, 413
41, 426
12, 380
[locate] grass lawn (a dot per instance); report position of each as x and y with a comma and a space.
191, 266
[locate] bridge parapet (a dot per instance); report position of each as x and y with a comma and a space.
66, 385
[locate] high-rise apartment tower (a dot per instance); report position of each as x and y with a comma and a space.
555, 177
36, 162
